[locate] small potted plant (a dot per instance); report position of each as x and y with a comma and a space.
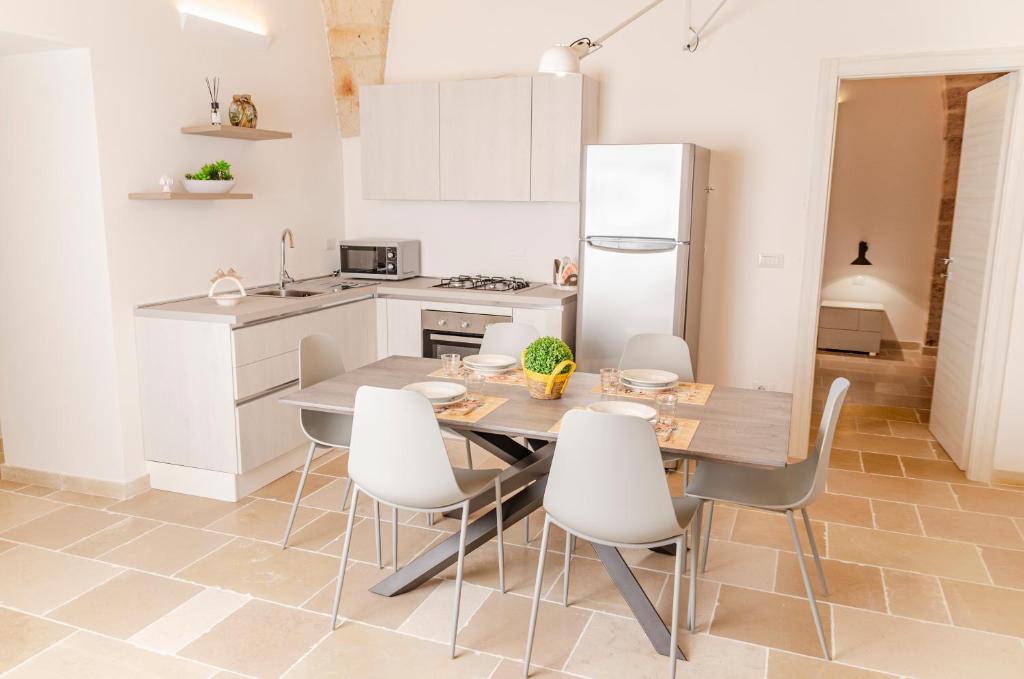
210, 178
548, 364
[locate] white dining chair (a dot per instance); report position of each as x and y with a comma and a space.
782, 490
398, 458
660, 352
319, 360
509, 339
622, 501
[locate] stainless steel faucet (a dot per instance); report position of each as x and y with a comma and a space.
285, 276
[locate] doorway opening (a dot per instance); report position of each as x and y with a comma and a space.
917, 170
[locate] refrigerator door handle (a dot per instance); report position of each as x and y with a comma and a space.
625, 243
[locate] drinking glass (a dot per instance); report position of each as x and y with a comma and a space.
666, 403
450, 364
475, 386
609, 380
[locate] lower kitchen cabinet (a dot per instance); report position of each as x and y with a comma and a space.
212, 421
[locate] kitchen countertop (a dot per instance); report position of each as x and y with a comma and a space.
255, 308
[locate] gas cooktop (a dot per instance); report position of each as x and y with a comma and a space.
510, 284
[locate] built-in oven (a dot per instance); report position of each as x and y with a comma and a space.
455, 332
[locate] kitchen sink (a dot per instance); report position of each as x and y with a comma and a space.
277, 292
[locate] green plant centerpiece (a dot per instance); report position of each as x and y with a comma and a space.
216, 171
547, 364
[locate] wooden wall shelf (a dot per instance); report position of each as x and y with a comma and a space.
182, 195
232, 132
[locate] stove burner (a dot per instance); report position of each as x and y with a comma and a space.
489, 283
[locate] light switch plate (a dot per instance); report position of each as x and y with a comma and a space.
771, 260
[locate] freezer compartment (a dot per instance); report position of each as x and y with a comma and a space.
639, 191
629, 286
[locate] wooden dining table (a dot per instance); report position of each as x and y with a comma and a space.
736, 426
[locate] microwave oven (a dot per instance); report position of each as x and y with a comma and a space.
392, 260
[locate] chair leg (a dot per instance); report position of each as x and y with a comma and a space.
458, 573
394, 538
707, 537
344, 560
536, 597
569, 540
469, 454
376, 530
526, 529
814, 551
676, 586
298, 494
807, 584
691, 604
501, 533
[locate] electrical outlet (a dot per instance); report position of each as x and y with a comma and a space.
771, 260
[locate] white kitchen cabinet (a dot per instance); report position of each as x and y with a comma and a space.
404, 329
212, 420
564, 114
485, 139
400, 141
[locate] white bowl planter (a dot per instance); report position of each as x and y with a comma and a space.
208, 185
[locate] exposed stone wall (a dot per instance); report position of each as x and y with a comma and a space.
955, 98
357, 33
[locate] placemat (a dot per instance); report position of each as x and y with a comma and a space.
470, 410
678, 437
513, 377
690, 393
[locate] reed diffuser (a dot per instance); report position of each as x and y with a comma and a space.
214, 89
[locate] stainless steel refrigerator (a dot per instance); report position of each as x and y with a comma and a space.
641, 247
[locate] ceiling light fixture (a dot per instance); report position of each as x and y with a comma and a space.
563, 59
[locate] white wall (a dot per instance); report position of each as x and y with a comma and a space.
749, 94
886, 188
148, 82
58, 393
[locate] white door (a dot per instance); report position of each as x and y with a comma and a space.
982, 159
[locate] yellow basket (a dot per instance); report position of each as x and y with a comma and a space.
547, 387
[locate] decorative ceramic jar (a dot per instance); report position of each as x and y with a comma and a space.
242, 112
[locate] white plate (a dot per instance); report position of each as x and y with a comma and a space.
650, 388
489, 362
439, 393
651, 378
624, 408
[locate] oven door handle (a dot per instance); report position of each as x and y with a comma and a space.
434, 337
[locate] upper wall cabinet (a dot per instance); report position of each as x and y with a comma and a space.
564, 122
500, 139
400, 141
485, 139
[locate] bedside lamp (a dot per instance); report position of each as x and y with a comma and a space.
862, 251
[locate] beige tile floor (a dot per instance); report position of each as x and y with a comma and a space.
926, 570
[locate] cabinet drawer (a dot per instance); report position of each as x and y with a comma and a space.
840, 319
266, 374
270, 339
870, 321
849, 340
266, 429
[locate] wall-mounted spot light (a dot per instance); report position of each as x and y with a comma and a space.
206, 21
862, 251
